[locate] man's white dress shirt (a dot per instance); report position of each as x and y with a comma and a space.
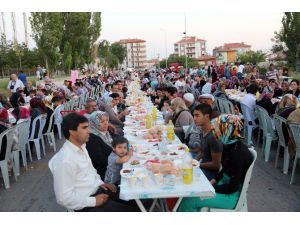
75, 178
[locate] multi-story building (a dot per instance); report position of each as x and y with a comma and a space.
229, 52
192, 46
135, 53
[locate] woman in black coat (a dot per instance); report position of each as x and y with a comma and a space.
99, 145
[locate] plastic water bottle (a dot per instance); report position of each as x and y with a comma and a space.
187, 167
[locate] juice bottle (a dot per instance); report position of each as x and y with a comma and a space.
170, 131
148, 121
154, 113
187, 168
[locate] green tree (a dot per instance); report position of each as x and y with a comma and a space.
287, 39
47, 31
95, 29
77, 35
191, 62
119, 51
252, 57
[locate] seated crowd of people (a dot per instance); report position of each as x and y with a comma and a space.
86, 170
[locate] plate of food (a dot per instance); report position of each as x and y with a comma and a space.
176, 154
176, 147
147, 154
136, 162
127, 172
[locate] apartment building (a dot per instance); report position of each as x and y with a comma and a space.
136, 56
191, 46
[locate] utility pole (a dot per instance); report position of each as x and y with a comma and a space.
3, 28
185, 43
25, 28
13, 21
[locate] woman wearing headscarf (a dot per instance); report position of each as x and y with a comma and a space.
99, 144
49, 111
220, 92
236, 159
180, 117
111, 109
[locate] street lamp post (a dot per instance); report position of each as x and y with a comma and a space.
166, 47
185, 43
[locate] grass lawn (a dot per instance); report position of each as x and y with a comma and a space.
33, 79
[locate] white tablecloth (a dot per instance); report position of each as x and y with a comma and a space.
200, 187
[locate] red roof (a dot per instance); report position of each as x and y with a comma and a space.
191, 39
135, 40
227, 47
206, 57
236, 45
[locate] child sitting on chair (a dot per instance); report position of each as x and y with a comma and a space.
118, 156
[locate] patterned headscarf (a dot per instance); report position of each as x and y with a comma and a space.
227, 128
94, 123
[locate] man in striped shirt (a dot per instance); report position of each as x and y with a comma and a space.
272, 73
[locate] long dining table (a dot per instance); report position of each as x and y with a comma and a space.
138, 182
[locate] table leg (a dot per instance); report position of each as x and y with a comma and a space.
153, 205
177, 204
140, 205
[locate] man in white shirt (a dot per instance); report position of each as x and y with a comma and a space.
207, 87
77, 185
240, 71
14, 84
250, 99
180, 82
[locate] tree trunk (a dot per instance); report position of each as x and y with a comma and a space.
298, 59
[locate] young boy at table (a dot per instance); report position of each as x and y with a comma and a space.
210, 149
119, 155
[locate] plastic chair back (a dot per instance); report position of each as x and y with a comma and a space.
259, 116
9, 134
248, 114
50, 127
23, 133
295, 135
243, 196
267, 122
279, 121
37, 120
228, 106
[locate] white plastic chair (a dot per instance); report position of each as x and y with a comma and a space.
268, 132
58, 118
260, 123
50, 134
279, 121
294, 131
249, 122
241, 205
23, 134
227, 106
38, 120
9, 133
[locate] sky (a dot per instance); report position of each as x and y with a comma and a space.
162, 29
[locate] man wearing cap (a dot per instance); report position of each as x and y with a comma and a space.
189, 100
210, 99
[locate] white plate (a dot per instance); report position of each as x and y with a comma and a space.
127, 172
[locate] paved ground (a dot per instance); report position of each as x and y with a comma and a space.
269, 191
